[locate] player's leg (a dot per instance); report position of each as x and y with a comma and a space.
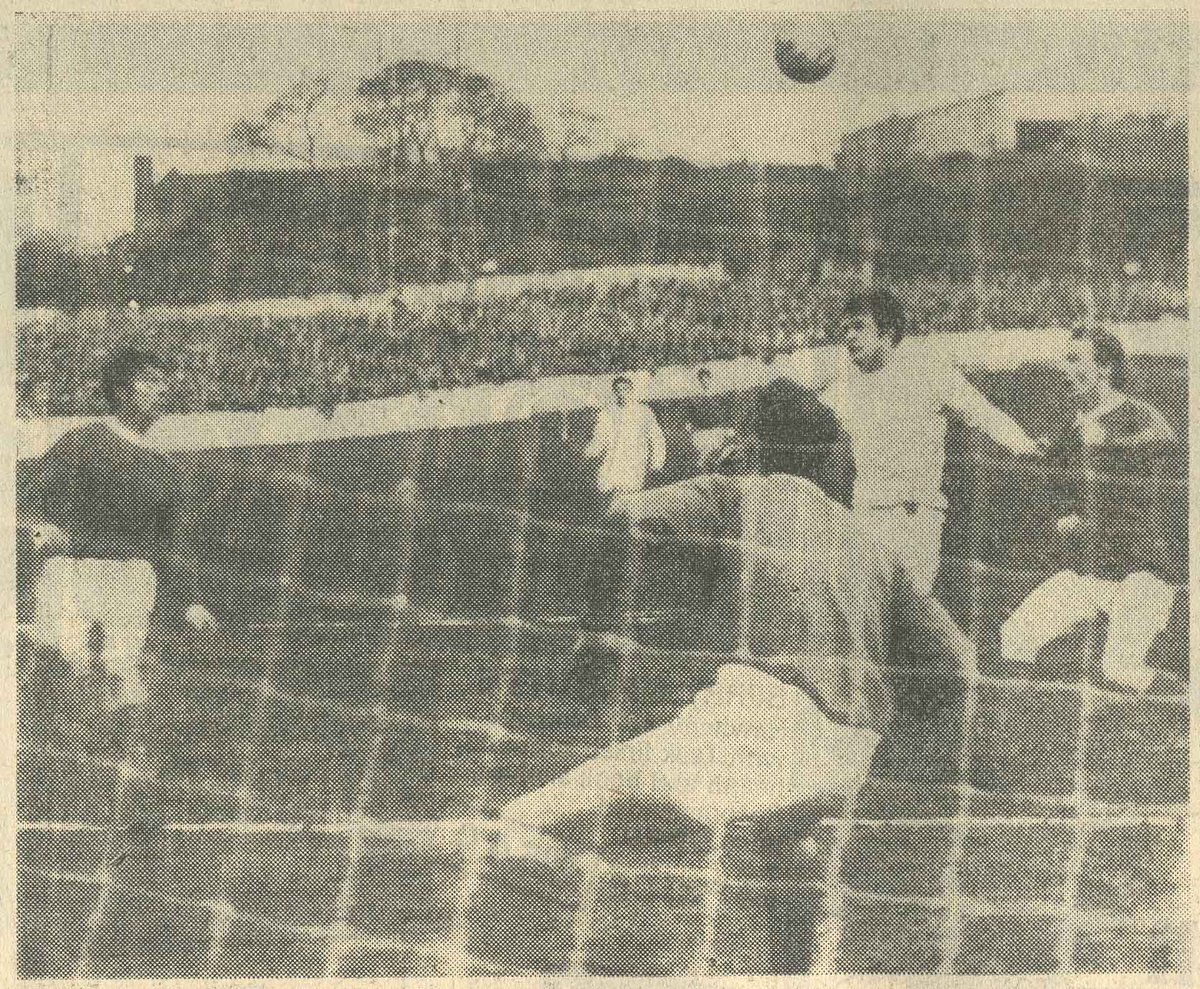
747, 745
931, 521
1139, 611
133, 587
60, 616
1052, 609
60, 625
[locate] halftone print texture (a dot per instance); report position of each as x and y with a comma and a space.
416, 625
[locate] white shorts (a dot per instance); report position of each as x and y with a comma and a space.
1138, 609
746, 745
613, 479
71, 597
916, 538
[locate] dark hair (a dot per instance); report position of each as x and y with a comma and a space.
124, 368
1109, 352
622, 377
885, 308
704, 372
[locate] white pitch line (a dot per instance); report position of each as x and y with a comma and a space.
295, 552
952, 878
104, 876
592, 870
1073, 868
341, 940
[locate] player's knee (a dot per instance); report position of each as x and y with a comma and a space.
1144, 588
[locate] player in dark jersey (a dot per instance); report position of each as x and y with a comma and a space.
709, 420
102, 509
1110, 417
810, 611
1111, 572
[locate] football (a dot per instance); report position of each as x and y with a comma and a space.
805, 49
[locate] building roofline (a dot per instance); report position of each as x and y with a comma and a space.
1174, 107
928, 111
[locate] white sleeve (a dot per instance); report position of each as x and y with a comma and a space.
965, 399
816, 368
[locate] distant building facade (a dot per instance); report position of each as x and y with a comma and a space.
996, 182
360, 228
991, 124
1050, 183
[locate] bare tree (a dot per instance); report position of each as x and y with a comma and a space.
286, 126
430, 112
579, 131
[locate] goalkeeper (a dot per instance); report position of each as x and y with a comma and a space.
817, 608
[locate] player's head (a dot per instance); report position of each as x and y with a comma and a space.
622, 388
872, 324
1095, 360
704, 376
136, 385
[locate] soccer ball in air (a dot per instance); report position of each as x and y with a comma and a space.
805, 48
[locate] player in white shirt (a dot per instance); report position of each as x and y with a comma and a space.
891, 396
627, 440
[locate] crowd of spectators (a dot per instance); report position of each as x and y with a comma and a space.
330, 358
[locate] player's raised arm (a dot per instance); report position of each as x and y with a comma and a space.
977, 411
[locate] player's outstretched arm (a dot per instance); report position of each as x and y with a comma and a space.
684, 509
1158, 430
975, 408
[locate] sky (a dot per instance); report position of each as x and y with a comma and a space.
93, 91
